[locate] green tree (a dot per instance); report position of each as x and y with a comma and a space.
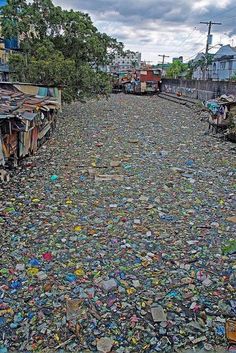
58, 47
204, 62
190, 70
175, 69
233, 77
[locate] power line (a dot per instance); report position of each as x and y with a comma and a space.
199, 51
193, 56
210, 23
185, 40
188, 36
199, 42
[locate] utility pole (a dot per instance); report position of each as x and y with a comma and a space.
209, 24
163, 60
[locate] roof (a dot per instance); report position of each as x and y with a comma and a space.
14, 103
28, 116
225, 58
4, 116
160, 66
225, 52
27, 84
154, 69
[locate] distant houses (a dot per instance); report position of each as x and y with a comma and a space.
224, 64
126, 62
7, 47
163, 67
198, 65
220, 66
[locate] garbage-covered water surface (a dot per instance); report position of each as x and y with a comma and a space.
119, 234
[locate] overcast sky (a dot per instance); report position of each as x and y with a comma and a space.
157, 27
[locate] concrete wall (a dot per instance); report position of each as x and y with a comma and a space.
202, 90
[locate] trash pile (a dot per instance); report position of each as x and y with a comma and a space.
119, 235
223, 115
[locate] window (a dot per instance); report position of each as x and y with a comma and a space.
223, 65
214, 67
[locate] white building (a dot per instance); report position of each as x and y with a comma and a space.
224, 63
127, 62
200, 71
223, 66
180, 58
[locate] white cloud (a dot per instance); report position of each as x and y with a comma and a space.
204, 4
160, 26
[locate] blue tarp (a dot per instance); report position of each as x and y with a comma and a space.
43, 91
213, 106
11, 43
48, 92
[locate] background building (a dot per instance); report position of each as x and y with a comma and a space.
221, 66
202, 67
180, 58
224, 63
7, 46
4, 57
127, 62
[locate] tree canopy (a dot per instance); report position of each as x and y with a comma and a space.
176, 68
58, 47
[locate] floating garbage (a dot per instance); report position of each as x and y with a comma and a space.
119, 236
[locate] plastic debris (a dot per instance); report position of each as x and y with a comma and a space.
115, 164
54, 177
131, 249
109, 285
158, 313
104, 345
109, 177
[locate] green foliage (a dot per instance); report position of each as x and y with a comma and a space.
134, 64
58, 47
94, 83
233, 78
230, 248
175, 69
17, 64
203, 62
189, 73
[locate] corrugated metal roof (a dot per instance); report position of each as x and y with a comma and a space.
15, 102
28, 116
6, 116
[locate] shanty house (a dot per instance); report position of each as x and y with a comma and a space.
149, 80
27, 118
